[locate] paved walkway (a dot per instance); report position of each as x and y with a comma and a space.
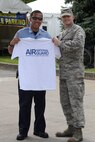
54, 116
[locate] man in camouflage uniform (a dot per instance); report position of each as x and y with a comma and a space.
71, 43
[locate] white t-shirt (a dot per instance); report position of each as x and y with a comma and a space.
36, 66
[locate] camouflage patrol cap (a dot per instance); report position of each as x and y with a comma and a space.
67, 12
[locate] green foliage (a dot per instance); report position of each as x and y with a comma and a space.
27, 1
84, 11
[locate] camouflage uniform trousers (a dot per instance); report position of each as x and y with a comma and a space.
71, 98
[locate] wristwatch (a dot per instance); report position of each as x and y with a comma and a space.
11, 45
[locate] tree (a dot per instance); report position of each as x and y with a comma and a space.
27, 1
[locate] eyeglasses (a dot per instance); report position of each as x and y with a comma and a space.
37, 18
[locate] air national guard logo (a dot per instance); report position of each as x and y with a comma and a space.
37, 52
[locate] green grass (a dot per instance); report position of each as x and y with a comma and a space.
7, 59
90, 70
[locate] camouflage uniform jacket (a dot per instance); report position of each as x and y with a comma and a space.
72, 51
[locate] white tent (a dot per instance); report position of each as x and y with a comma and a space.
14, 6
50, 6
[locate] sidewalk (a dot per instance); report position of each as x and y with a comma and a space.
54, 115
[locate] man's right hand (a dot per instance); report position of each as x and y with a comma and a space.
12, 43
